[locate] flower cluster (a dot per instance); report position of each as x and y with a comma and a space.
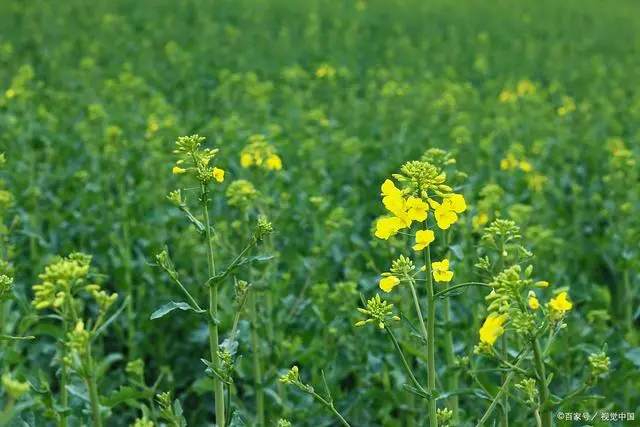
14, 388
507, 300
423, 184
195, 159
377, 311
260, 153
523, 89
60, 278
241, 194
423, 189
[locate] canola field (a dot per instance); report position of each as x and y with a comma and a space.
315, 213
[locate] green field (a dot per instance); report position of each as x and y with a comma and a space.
360, 144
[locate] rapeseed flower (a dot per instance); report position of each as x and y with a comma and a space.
423, 239
218, 174
441, 271
260, 153
492, 328
532, 300
388, 283
560, 303
446, 212
389, 226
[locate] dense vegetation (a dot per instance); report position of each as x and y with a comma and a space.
507, 136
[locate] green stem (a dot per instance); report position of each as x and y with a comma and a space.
64, 394
93, 391
416, 303
213, 312
450, 289
431, 352
503, 349
7, 412
257, 367
452, 379
628, 298
541, 379
407, 368
502, 391
536, 414
128, 281
330, 407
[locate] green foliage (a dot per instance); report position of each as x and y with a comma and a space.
312, 105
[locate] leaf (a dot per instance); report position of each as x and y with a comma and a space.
110, 320
237, 421
105, 363
76, 391
634, 356
234, 265
179, 413
170, 306
12, 338
457, 251
252, 259
123, 394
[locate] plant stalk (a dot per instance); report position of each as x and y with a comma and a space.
213, 312
257, 366
93, 391
541, 379
431, 352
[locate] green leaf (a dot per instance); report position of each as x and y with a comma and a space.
179, 413
634, 356
110, 320
457, 251
237, 421
105, 363
170, 306
124, 394
12, 338
78, 392
234, 265
252, 259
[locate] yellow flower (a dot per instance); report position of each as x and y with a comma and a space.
542, 284
389, 189
479, 220
506, 96
274, 162
417, 209
536, 182
218, 174
441, 271
423, 238
509, 162
178, 170
525, 166
560, 302
388, 226
396, 205
388, 283
534, 304
444, 213
456, 202
492, 328
246, 160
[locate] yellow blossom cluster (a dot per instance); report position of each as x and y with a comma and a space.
523, 89
195, 159
258, 152
422, 184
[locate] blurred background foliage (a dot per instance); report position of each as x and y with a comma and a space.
538, 101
